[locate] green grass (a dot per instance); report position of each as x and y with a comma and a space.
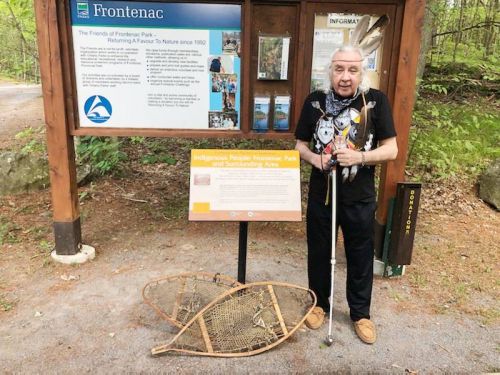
5, 304
418, 279
453, 139
175, 208
45, 246
7, 230
489, 315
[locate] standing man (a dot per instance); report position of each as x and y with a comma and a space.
360, 118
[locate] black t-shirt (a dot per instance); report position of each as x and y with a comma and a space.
380, 127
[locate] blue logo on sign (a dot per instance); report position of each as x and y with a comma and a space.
82, 9
98, 109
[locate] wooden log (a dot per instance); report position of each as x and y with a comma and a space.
60, 147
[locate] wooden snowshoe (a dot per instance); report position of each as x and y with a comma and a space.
243, 321
179, 298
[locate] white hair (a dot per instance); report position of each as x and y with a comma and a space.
364, 84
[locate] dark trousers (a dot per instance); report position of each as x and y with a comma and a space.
357, 223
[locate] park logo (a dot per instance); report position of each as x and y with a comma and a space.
98, 109
82, 9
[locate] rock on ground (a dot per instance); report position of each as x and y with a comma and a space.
20, 173
489, 184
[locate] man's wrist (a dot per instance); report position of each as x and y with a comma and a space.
316, 161
363, 158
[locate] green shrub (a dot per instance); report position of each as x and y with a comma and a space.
102, 153
453, 139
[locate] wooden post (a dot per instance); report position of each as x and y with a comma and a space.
60, 147
245, 125
242, 252
404, 98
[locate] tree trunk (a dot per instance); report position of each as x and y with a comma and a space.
475, 20
425, 43
458, 36
490, 32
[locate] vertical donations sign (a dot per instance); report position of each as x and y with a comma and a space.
156, 65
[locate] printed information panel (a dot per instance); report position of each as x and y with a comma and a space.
157, 65
245, 185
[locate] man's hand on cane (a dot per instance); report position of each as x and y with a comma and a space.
347, 157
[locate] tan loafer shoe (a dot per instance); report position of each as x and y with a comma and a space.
316, 318
365, 329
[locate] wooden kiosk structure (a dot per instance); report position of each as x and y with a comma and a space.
301, 21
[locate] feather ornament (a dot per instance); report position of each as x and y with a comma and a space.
360, 30
376, 28
371, 45
365, 119
372, 39
368, 39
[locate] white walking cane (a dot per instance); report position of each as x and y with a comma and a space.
333, 174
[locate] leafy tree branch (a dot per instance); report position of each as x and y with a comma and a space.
478, 26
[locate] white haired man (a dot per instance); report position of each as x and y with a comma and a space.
367, 111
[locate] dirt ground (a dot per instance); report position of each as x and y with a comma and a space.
441, 317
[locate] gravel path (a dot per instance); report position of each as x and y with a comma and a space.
98, 323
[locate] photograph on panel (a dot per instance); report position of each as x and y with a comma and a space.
231, 42
273, 57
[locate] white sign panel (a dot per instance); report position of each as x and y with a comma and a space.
156, 65
245, 185
325, 42
341, 20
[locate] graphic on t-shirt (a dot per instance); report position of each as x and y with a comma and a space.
324, 132
351, 125
343, 120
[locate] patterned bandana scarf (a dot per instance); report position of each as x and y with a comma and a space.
336, 104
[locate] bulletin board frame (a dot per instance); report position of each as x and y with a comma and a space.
278, 17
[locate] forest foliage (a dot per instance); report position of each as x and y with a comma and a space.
456, 123
456, 119
18, 49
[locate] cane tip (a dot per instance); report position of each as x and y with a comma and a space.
329, 340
